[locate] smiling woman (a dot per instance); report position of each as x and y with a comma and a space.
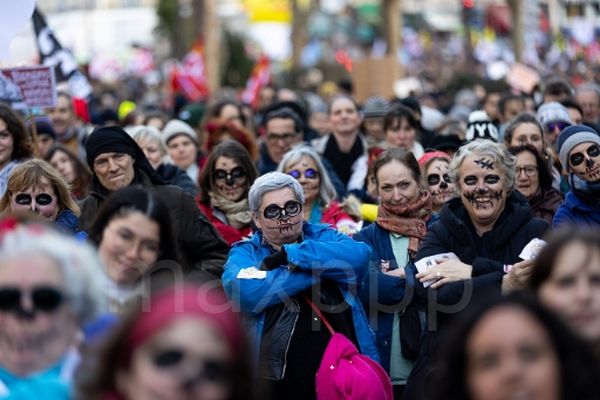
15, 143
486, 227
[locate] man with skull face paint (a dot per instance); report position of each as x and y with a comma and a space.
486, 226
270, 275
579, 151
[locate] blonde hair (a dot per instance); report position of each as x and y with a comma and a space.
30, 174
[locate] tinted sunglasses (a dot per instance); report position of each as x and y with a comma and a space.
235, 174
551, 126
42, 199
214, 371
434, 179
577, 158
289, 209
308, 174
43, 298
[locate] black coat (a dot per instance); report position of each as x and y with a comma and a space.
173, 175
203, 251
487, 254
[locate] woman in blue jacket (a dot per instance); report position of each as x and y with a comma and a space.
271, 275
395, 237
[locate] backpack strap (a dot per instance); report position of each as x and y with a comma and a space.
319, 314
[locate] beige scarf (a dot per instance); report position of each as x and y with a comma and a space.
237, 212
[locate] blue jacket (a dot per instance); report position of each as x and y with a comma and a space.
574, 211
389, 295
323, 253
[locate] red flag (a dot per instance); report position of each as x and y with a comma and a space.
189, 77
260, 77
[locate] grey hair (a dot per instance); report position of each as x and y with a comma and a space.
84, 280
589, 87
327, 192
142, 133
270, 182
483, 147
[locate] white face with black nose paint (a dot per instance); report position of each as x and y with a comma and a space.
482, 188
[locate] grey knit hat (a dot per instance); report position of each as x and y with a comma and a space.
177, 127
553, 112
572, 136
375, 106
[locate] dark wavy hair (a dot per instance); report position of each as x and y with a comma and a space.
448, 376
393, 118
235, 151
83, 175
22, 143
136, 198
544, 174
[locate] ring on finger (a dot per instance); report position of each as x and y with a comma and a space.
438, 274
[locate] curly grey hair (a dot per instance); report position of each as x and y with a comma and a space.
505, 161
270, 182
327, 192
80, 267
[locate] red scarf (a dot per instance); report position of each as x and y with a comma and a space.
407, 219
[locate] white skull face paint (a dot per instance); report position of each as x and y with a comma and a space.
438, 181
584, 161
482, 188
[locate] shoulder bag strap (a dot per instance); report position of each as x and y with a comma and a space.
319, 314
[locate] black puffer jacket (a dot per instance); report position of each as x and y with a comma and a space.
202, 249
487, 254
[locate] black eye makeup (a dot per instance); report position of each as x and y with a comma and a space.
492, 179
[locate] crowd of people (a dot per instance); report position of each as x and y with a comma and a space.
224, 251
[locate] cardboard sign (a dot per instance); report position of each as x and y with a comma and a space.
28, 87
374, 77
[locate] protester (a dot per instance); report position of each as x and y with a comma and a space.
304, 164
566, 276
71, 168
588, 96
394, 238
45, 137
185, 342
486, 227
183, 147
34, 186
64, 121
132, 233
535, 182
578, 147
434, 167
219, 132
554, 117
373, 112
283, 129
149, 140
272, 276
512, 347
50, 287
117, 162
345, 148
400, 129
15, 143
224, 184
227, 111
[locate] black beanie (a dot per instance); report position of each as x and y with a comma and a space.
113, 139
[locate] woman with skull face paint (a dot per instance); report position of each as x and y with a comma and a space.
271, 275
434, 167
224, 184
34, 186
304, 164
579, 152
486, 227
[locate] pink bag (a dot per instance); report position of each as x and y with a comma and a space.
345, 374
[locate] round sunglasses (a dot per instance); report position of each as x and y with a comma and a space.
290, 209
43, 298
235, 174
309, 173
25, 199
212, 371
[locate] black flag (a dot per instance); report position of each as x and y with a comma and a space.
52, 54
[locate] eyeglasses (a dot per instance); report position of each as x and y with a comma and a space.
42, 199
530, 170
236, 174
309, 173
434, 179
577, 158
551, 126
290, 209
213, 371
286, 137
43, 298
